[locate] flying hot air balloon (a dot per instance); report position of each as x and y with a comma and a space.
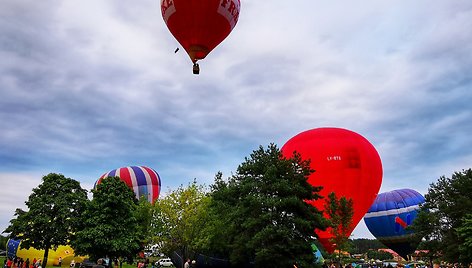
200, 25
345, 163
390, 215
144, 181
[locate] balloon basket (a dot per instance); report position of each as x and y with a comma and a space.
196, 68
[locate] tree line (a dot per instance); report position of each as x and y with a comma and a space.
258, 216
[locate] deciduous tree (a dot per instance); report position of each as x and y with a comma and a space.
379, 255
444, 220
179, 218
110, 225
51, 218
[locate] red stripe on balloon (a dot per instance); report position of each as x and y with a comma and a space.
154, 183
401, 222
126, 177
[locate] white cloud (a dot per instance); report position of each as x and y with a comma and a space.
16, 188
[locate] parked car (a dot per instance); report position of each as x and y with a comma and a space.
165, 262
85, 264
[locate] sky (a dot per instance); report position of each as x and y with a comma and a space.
88, 86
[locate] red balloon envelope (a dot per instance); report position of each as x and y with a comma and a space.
200, 25
345, 163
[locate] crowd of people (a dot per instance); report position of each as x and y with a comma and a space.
18, 262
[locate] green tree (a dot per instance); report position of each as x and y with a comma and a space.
213, 239
51, 219
144, 214
261, 213
379, 255
443, 218
110, 224
3, 242
340, 212
362, 245
465, 234
179, 218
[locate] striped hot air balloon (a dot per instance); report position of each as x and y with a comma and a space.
144, 181
390, 215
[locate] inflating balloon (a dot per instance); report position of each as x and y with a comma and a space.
142, 180
345, 163
199, 26
390, 215
66, 253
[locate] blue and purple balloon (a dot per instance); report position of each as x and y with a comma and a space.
389, 217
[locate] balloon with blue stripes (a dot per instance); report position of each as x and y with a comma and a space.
144, 181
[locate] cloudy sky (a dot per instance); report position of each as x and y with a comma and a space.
87, 86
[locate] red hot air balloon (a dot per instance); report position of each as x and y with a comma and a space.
200, 25
345, 163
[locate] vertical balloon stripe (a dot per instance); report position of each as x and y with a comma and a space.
142, 191
133, 180
149, 185
155, 182
97, 183
124, 175
140, 177
112, 173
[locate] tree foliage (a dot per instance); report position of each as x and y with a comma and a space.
379, 255
465, 234
444, 220
362, 245
3, 242
144, 213
51, 219
260, 215
110, 225
179, 218
340, 212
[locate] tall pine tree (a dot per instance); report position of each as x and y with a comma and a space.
264, 212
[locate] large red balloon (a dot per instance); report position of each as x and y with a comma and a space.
345, 163
200, 25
